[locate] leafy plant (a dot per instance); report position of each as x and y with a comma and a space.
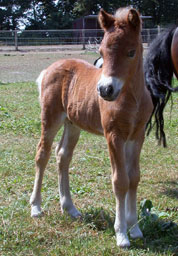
155, 224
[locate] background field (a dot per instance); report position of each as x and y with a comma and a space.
23, 66
56, 234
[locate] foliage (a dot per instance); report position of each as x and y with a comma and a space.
11, 12
51, 14
152, 219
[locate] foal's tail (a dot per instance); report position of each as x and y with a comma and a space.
39, 82
158, 69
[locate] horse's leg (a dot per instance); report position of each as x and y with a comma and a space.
48, 132
64, 151
120, 182
132, 155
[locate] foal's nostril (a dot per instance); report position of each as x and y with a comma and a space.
105, 91
109, 90
101, 91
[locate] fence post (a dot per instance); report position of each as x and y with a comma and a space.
16, 40
148, 36
83, 38
159, 29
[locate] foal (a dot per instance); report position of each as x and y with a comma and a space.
112, 101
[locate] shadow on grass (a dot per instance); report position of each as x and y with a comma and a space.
1, 83
160, 236
172, 190
99, 219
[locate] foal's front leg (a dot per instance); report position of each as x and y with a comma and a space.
120, 182
132, 156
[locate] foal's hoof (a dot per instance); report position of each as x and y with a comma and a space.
71, 210
36, 211
74, 213
135, 232
122, 240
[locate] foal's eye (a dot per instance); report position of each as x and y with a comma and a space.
131, 53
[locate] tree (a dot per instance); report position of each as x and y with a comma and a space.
11, 11
60, 14
163, 12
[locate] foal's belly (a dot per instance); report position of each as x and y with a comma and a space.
85, 116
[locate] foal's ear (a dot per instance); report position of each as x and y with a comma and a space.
105, 20
134, 18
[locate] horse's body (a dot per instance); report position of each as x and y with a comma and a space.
160, 64
112, 101
174, 52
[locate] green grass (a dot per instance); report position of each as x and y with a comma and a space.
57, 234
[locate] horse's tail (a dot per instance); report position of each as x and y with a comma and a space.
39, 82
158, 70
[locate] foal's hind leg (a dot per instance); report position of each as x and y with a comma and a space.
120, 182
64, 151
132, 155
49, 130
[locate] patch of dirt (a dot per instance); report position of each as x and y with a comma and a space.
26, 65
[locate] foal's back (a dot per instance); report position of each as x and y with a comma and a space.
70, 86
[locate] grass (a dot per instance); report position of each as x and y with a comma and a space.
57, 234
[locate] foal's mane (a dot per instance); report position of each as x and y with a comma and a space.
158, 69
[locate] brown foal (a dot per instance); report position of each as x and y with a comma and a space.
112, 101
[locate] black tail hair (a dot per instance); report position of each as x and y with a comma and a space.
158, 69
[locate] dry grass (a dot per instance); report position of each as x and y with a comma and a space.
26, 66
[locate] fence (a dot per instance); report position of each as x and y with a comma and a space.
75, 38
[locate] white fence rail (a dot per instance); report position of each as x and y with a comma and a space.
88, 38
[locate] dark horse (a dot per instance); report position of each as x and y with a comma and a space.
160, 64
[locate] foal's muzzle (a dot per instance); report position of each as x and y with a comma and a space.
109, 87
106, 92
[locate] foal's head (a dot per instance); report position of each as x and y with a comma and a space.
120, 49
